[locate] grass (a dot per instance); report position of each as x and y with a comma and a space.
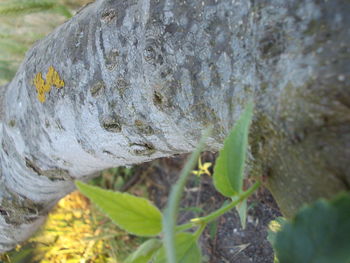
21, 27
76, 231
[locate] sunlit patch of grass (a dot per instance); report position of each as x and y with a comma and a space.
66, 233
77, 232
20, 30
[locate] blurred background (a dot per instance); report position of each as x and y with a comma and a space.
22, 22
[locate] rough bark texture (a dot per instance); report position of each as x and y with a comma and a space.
143, 78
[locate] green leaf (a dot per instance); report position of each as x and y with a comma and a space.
133, 214
229, 168
213, 228
26, 254
320, 233
242, 212
187, 250
172, 208
145, 252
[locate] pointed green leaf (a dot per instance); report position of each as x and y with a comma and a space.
229, 168
213, 228
319, 233
242, 212
134, 214
145, 252
187, 250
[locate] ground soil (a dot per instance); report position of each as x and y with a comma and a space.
226, 241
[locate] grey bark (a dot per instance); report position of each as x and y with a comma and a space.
143, 79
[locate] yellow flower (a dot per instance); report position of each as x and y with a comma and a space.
202, 168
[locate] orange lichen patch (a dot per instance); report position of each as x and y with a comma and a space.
43, 87
53, 78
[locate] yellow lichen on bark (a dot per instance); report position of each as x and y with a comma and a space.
43, 87
53, 78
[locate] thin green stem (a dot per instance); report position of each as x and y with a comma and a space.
195, 222
171, 210
199, 231
211, 217
184, 227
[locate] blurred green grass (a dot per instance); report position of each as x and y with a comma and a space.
76, 231
22, 22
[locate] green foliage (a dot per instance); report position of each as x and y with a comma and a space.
24, 255
138, 216
20, 7
113, 178
18, 31
133, 214
229, 168
319, 233
171, 211
213, 228
242, 212
187, 250
12, 46
145, 252
7, 71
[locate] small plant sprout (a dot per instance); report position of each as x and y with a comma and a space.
178, 244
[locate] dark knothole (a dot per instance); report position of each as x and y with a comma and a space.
157, 98
97, 89
111, 124
272, 44
12, 123
108, 16
149, 53
3, 212
144, 149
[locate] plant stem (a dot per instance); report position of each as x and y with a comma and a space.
184, 227
171, 210
211, 217
199, 231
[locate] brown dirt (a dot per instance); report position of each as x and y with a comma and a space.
230, 243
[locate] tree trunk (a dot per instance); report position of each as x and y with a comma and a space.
125, 82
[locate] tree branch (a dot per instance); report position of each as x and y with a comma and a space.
125, 82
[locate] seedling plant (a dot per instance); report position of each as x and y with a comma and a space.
168, 241
318, 233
